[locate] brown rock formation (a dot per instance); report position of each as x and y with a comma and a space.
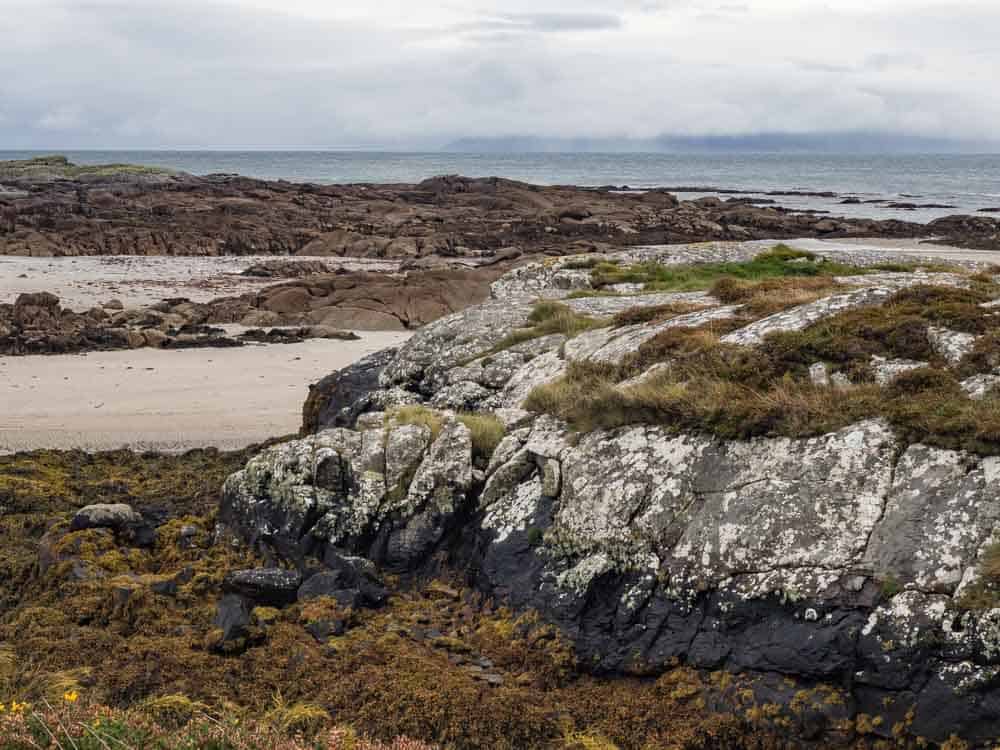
131, 212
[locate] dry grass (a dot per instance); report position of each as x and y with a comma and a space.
739, 392
769, 296
487, 432
653, 313
417, 415
589, 399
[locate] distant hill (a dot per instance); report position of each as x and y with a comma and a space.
823, 143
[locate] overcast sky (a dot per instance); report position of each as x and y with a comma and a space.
390, 73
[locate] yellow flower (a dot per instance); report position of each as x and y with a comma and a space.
71, 696
16, 708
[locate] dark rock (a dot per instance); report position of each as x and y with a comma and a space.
127, 524
346, 586
273, 587
324, 630
165, 588
338, 399
233, 617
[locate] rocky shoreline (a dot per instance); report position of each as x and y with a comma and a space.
609, 494
844, 559
51, 208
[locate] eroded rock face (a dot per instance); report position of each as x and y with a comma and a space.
646, 547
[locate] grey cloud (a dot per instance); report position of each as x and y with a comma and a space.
179, 73
546, 23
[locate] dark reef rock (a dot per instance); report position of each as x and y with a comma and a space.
339, 398
271, 587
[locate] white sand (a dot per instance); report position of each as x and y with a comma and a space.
148, 399
85, 282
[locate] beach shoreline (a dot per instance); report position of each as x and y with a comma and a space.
167, 401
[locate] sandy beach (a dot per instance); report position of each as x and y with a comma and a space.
167, 400
85, 282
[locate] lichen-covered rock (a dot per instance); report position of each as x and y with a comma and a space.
768, 555
422, 364
386, 492
952, 345
843, 558
979, 385
127, 524
940, 510
887, 370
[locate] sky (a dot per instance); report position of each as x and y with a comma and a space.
420, 73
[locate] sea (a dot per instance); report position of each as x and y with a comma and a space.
960, 183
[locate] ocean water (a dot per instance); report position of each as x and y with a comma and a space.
968, 182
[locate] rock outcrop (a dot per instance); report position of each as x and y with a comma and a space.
53, 208
844, 558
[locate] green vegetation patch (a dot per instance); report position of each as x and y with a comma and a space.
59, 166
781, 261
546, 319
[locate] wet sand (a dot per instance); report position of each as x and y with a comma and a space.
148, 399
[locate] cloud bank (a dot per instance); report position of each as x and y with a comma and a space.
421, 73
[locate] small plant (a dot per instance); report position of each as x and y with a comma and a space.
487, 431
548, 318
417, 415
890, 586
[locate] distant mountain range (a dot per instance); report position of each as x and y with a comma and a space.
824, 143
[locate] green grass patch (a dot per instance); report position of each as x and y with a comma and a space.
60, 166
781, 261
546, 319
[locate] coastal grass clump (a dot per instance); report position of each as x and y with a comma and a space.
72, 723
760, 298
781, 261
589, 399
416, 414
487, 431
548, 318
653, 313
689, 379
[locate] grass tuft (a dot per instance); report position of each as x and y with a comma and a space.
487, 432
418, 415
546, 319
